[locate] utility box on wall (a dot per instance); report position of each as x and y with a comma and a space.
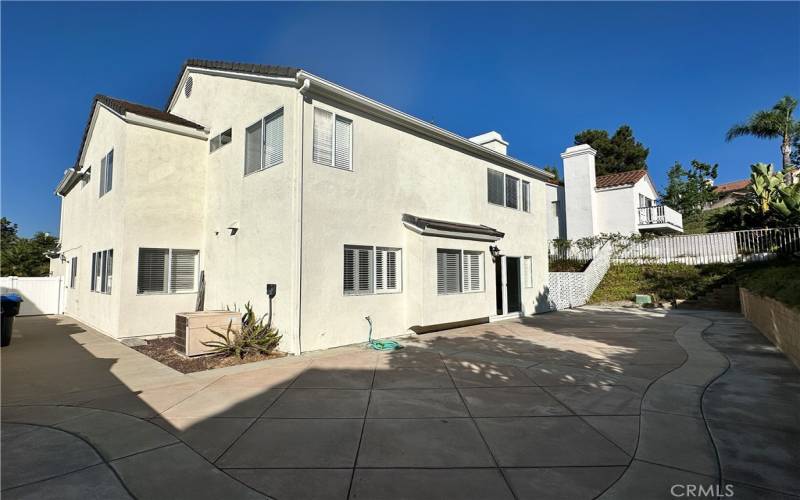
191, 329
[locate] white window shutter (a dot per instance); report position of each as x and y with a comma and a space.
343, 141
109, 270
102, 182
512, 195
473, 271
448, 271
273, 139
380, 270
393, 270
349, 270
526, 196
323, 137
182, 270
364, 284
109, 170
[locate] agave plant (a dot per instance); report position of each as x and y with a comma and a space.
254, 337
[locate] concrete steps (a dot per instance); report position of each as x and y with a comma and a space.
724, 297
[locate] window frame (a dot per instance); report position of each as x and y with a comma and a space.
527, 271
106, 180
261, 149
462, 262
373, 269
218, 138
73, 272
168, 272
516, 182
523, 191
334, 118
525, 186
102, 271
502, 185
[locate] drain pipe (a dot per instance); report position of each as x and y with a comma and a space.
302, 90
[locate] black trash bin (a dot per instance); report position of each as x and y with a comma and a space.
10, 308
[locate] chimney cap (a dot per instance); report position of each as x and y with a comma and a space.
580, 149
489, 137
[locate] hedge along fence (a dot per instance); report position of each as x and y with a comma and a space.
712, 248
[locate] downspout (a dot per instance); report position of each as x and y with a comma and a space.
303, 88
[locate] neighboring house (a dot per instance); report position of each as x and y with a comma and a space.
729, 193
586, 205
265, 174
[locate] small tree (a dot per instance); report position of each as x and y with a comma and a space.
689, 190
619, 153
25, 256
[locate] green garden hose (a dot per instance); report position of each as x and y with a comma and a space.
380, 345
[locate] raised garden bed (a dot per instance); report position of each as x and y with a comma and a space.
163, 351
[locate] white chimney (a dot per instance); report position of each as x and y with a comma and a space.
580, 196
492, 140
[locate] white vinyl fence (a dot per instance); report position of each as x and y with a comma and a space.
693, 249
39, 295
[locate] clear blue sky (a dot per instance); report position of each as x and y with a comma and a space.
679, 73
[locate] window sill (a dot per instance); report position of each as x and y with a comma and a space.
370, 294
165, 293
261, 170
350, 169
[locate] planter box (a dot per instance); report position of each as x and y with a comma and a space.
191, 329
776, 321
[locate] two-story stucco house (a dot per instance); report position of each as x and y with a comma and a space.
263, 174
585, 204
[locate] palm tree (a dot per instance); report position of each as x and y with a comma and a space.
777, 122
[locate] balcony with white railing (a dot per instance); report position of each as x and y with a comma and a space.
660, 219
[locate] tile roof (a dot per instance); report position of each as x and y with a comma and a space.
123, 107
732, 186
620, 178
253, 69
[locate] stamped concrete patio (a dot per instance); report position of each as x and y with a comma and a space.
586, 403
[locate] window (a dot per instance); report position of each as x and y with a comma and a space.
106, 172
164, 270
448, 271
73, 271
220, 140
527, 269
555, 208
495, 180
473, 271
512, 186
387, 270
644, 201
102, 271
370, 270
264, 143
333, 140
458, 271
526, 196
504, 190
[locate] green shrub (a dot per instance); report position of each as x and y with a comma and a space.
254, 337
781, 281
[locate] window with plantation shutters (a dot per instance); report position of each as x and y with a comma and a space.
370, 270
473, 271
333, 140
512, 195
448, 271
164, 270
387, 270
264, 143
496, 190
526, 196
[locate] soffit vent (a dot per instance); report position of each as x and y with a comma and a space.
187, 88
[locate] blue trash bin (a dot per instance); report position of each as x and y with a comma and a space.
10, 308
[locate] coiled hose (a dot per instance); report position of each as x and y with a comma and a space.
380, 345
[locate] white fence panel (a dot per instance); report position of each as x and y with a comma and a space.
39, 295
572, 289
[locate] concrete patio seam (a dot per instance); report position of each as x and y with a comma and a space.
480, 433
363, 426
90, 445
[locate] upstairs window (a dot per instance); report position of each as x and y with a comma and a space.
495, 181
526, 196
102, 271
106, 173
264, 143
512, 194
222, 139
164, 270
333, 140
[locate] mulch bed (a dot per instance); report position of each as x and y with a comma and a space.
163, 351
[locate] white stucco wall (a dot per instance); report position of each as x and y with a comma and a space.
396, 172
579, 192
90, 223
556, 218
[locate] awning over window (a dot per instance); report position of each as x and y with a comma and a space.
447, 229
